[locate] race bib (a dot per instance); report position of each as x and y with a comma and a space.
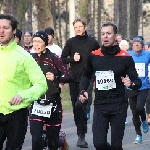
140, 68
44, 111
105, 80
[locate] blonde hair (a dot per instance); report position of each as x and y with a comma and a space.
124, 42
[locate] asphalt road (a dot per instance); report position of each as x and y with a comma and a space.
69, 128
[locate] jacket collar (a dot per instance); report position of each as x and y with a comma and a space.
9, 47
83, 36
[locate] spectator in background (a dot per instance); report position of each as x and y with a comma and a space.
124, 45
18, 36
119, 38
147, 46
27, 39
51, 46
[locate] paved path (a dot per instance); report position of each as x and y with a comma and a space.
69, 128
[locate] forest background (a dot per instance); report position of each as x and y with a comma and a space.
131, 16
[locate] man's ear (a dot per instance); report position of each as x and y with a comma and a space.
116, 37
14, 31
85, 27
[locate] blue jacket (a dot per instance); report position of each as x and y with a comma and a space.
144, 59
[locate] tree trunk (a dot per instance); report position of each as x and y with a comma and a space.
21, 12
29, 15
83, 9
53, 10
116, 12
128, 19
134, 17
66, 21
123, 18
85, 12
94, 17
44, 16
90, 30
59, 24
99, 19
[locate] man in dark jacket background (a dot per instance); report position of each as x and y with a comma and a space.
78, 49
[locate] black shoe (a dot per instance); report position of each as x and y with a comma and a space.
81, 142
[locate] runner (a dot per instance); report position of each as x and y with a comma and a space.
110, 66
137, 98
48, 108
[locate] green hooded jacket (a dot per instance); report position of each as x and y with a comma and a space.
19, 74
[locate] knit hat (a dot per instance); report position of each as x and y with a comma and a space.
49, 31
42, 34
18, 34
148, 44
138, 39
29, 32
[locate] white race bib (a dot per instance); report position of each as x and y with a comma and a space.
105, 80
140, 68
44, 111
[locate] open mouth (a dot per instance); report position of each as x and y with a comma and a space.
2, 36
106, 41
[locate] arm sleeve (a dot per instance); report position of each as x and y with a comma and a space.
36, 78
131, 72
66, 76
67, 52
87, 75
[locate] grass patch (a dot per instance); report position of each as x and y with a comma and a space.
65, 95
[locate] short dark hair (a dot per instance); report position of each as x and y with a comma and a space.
12, 19
111, 24
18, 34
80, 20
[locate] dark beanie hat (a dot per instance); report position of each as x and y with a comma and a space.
148, 44
18, 34
29, 32
42, 34
49, 31
138, 39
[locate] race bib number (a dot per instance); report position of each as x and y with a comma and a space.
105, 80
44, 111
140, 68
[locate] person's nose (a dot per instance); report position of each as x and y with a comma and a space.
1, 30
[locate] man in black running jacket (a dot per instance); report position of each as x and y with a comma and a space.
110, 65
78, 49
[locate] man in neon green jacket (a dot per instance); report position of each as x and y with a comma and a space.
21, 82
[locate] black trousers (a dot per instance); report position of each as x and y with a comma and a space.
137, 100
14, 127
52, 132
105, 115
53, 126
79, 109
